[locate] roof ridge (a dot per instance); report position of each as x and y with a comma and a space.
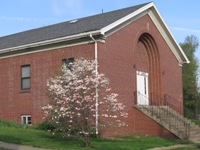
68, 21
64, 29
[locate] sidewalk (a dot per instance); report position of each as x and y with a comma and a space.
171, 147
11, 146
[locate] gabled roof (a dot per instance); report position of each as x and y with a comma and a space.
94, 25
82, 25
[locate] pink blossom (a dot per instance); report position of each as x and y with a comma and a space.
73, 96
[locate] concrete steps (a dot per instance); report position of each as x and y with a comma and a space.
173, 121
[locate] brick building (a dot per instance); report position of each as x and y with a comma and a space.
134, 49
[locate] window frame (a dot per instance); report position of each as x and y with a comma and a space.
27, 122
67, 62
25, 78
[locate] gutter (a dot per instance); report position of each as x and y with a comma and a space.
52, 41
96, 90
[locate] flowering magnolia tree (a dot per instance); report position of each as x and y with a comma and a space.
79, 96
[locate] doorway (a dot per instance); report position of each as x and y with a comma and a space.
142, 88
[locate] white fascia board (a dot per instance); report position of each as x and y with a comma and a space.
44, 49
106, 33
62, 39
124, 19
167, 35
154, 14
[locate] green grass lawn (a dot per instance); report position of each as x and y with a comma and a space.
3, 148
37, 138
44, 139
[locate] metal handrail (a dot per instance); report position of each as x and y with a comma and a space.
166, 112
173, 103
158, 101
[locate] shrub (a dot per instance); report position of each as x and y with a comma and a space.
79, 96
4, 123
46, 126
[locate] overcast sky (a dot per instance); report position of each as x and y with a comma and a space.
182, 16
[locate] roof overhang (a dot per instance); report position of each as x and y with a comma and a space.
52, 41
167, 35
149, 9
159, 22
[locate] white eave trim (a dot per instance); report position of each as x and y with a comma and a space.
142, 10
62, 39
149, 9
167, 35
153, 12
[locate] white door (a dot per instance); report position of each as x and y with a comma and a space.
142, 88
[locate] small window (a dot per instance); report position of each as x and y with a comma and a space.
68, 62
25, 77
26, 119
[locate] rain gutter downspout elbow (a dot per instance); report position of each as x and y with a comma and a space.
96, 90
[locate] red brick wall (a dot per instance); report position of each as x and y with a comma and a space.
138, 124
15, 102
141, 58
117, 60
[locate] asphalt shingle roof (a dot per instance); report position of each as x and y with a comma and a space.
64, 29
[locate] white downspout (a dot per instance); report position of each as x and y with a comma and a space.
97, 94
